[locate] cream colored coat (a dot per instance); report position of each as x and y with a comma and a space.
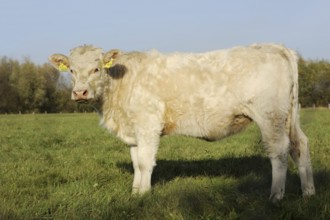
207, 95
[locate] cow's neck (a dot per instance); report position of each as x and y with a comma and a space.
110, 93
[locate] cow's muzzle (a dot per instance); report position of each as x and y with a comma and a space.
80, 96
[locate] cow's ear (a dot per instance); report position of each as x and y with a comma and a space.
60, 61
109, 57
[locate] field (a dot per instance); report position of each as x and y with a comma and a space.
66, 166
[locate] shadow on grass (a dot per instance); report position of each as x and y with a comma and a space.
167, 170
246, 197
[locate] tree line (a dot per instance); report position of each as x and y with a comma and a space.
30, 88
26, 87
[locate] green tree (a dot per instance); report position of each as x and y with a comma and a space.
48, 82
305, 83
314, 82
8, 94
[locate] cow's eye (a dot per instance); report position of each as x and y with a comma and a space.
71, 71
96, 70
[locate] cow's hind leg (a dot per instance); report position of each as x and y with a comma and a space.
276, 142
300, 154
278, 153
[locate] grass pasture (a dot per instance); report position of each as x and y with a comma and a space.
66, 166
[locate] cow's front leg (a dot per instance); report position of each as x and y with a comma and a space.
147, 161
144, 159
137, 172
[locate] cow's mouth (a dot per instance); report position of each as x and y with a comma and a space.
82, 101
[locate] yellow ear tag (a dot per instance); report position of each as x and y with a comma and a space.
108, 64
62, 67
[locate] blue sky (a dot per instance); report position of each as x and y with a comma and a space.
38, 28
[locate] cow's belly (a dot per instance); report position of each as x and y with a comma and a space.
209, 128
236, 124
206, 115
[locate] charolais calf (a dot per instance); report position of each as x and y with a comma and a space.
207, 95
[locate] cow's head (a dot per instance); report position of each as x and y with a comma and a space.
87, 65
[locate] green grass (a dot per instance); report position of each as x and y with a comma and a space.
66, 166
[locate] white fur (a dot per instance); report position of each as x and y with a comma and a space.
209, 95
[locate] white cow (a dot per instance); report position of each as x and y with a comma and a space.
208, 95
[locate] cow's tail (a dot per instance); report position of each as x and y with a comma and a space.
293, 126
299, 149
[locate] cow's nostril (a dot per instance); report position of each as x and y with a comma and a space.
80, 94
